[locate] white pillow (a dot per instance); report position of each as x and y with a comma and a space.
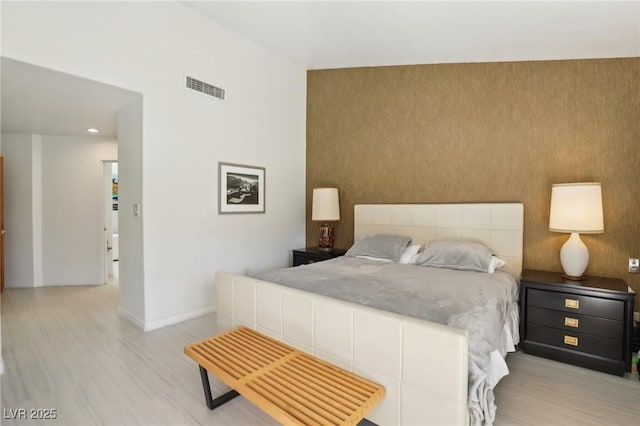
495, 263
409, 254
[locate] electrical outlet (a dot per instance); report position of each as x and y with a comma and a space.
634, 266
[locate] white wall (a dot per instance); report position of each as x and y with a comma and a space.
150, 48
53, 209
17, 151
72, 208
131, 251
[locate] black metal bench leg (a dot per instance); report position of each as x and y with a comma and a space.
213, 403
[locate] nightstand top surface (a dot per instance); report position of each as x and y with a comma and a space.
337, 251
596, 283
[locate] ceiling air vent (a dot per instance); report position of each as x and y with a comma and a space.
206, 88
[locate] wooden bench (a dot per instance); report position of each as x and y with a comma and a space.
291, 386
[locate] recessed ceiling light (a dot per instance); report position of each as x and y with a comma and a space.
92, 130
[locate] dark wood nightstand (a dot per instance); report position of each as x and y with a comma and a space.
308, 255
586, 323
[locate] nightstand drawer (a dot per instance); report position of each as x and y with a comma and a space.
575, 341
306, 259
309, 255
571, 322
586, 305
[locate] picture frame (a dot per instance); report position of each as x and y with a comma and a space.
241, 189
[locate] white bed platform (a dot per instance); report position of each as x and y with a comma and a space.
423, 365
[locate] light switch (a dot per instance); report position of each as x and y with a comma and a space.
136, 209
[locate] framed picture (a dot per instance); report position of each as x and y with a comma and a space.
241, 189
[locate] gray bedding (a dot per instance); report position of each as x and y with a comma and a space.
478, 302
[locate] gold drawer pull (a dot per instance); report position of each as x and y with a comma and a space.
570, 340
572, 303
571, 322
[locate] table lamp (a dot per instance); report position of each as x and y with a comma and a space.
325, 208
576, 208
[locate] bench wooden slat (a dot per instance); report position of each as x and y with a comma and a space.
323, 397
293, 387
212, 358
322, 384
257, 347
238, 357
245, 350
266, 344
288, 401
319, 407
344, 380
329, 369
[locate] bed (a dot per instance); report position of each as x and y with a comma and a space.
424, 365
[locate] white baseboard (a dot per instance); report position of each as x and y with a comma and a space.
19, 285
38, 285
152, 325
130, 317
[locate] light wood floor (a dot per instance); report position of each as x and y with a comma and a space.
65, 348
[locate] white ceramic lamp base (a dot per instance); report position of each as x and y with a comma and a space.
574, 257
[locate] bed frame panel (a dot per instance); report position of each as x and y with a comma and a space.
422, 385
423, 365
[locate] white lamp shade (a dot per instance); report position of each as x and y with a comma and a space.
326, 204
576, 207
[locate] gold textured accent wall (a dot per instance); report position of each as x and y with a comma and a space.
488, 132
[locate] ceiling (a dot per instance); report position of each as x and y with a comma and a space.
38, 100
340, 34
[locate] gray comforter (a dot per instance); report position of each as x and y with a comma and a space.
480, 303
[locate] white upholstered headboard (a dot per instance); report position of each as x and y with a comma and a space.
498, 225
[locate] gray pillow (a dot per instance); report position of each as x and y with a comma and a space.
460, 255
380, 246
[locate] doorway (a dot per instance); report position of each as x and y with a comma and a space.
110, 220
64, 106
